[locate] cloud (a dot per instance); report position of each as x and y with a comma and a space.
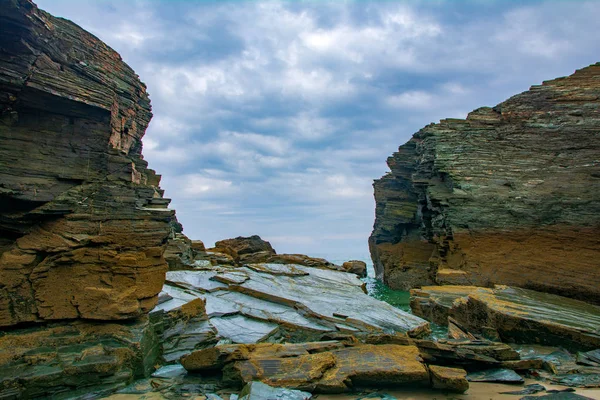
273, 118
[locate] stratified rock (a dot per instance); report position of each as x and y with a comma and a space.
525, 316
356, 267
69, 360
495, 375
434, 302
528, 389
510, 195
295, 303
452, 379
182, 328
315, 367
82, 219
240, 246
179, 253
261, 391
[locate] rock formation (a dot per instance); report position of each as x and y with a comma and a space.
83, 223
510, 195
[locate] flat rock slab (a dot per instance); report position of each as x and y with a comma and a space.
517, 315
495, 375
323, 367
262, 391
248, 304
526, 316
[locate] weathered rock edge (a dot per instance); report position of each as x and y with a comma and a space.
82, 219
510, 195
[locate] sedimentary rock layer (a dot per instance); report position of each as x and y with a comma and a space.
514, 314
510, 195
82, 219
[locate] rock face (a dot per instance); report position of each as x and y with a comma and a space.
511, 195
82, 219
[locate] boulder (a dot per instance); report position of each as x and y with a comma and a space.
83, 220
245, 245
510, 195
498, 375
356, 267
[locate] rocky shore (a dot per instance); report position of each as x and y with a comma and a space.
103, 296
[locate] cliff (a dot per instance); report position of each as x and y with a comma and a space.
83, 223
510, 195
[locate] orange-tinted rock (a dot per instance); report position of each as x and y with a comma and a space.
509, 195
356, 267
446, 378
82, 219
525, 316
325, 367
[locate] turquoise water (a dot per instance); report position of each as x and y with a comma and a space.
397, 298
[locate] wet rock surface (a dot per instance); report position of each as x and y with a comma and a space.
484, 195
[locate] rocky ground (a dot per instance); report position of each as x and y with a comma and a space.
101, 294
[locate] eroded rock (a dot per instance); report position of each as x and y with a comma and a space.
326, 367
76, 358
484, 194
82, 219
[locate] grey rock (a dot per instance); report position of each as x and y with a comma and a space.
495, 375
261, 391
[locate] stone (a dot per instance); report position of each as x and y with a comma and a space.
525, 316
434, 302
287, 302
528, 389
356, 267
178, 253
578, 380
83, 220
260, 391
509, 195
451, 379
326, 367
240, 246
558, 396
495, 375
183, 327
469, 354
75, 358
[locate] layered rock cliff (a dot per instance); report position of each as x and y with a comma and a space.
83, 223
510, 195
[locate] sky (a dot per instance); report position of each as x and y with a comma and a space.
274, 117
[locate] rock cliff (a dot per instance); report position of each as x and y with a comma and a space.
83, 223
510, 195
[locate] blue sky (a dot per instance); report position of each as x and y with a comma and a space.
273, 118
